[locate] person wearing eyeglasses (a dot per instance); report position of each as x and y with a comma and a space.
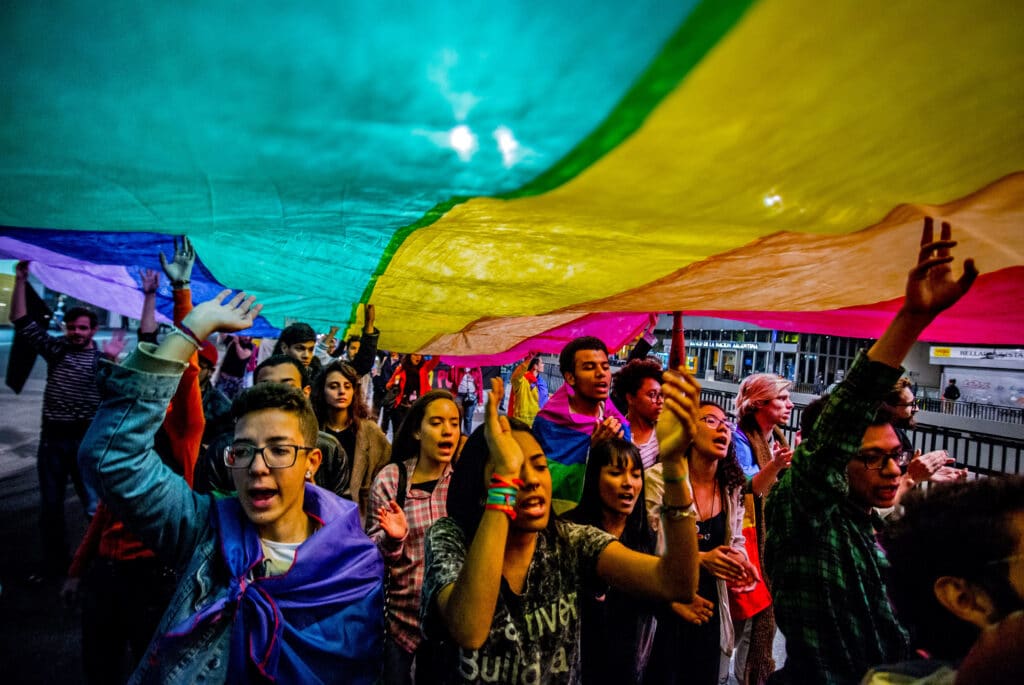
933, 466
822, 559
636, 390
258, 569
694, 640
956, 578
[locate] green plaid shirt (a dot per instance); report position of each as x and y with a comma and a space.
821, 557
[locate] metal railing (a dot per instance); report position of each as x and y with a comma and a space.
973, 410
979, 453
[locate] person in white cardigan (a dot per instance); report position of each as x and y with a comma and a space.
694, 642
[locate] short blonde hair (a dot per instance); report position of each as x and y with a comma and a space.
758, 390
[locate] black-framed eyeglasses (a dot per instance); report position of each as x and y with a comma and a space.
876, 461
655, 396
714, 423
277, 456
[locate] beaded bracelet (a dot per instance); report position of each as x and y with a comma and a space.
186, 336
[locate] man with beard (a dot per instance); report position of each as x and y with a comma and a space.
69, 404
933, 466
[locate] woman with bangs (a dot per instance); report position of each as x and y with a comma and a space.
694, 641
506, 580
617, 630
341, 411
407, 497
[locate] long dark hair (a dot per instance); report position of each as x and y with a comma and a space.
406, 445
357, 410
622, 453
467, 491
729, 473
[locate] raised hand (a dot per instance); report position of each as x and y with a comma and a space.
506, 457
21, 270
115, 346
223, 314
923, 466
610, 428
150, 281
677, 425
179, 269
392, 519
931, 287
369, 317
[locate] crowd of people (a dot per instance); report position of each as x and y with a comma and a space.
251, 521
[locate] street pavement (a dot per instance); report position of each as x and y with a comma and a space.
39, 637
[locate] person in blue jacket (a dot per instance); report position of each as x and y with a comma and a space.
278, 583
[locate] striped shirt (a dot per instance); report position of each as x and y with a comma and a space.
71, 392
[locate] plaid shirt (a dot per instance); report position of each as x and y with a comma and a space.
821, 556
404, 558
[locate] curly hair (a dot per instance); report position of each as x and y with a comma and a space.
357, 410
619, 452
729, 472
962, 530
278, 396
629, 379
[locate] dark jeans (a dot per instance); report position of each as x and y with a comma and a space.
122, 603
397, 664
57, 460
468, 403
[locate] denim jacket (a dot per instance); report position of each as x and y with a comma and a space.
158, 506
164, 512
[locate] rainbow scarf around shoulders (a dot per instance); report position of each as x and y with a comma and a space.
322, 620
565, 438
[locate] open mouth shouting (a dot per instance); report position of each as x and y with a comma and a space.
262, 498
533, 506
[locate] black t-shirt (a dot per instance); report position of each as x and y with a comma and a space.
347, 438
535, 636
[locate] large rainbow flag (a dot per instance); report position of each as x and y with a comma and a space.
503, 176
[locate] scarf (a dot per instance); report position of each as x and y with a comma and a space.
320, 621
565, 438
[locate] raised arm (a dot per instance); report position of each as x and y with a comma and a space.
19, 304
467, 605
520, 370
672, 576
363, 361
185, 420
931, 289
141, 490
147, 321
